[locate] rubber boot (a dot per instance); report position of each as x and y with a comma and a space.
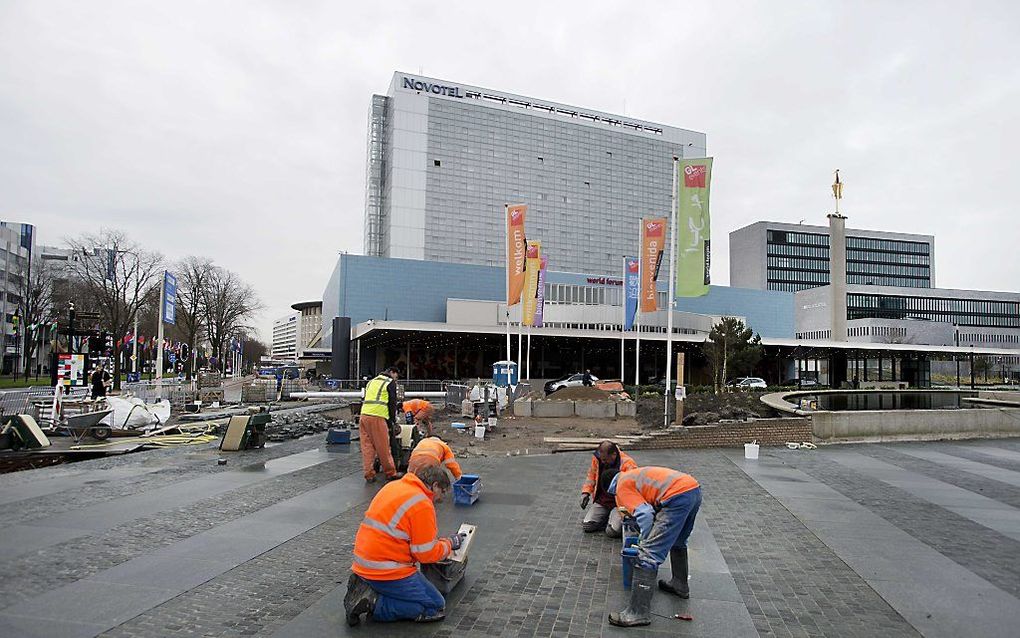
678, 585
360, 599
638, 612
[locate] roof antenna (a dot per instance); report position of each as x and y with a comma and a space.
420, 72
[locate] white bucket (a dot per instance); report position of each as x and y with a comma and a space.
751, 451
479, 431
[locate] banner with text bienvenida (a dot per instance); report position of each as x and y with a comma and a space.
653, 241
533, 266
694, 228
516, 252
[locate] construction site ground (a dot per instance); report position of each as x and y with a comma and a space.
865, 540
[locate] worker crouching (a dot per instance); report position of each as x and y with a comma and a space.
603, 513
419, 412
398, 533
434, 451
665, 503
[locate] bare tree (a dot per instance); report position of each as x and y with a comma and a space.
194, 276
35, 307
116, 277
230, 304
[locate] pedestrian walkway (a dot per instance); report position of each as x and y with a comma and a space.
891, 540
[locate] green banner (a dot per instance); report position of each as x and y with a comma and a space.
694, 227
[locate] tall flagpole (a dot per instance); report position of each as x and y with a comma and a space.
506, 225
670, 301
159, 337
637, 311
623, 317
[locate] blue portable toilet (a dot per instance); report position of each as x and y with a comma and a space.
504, 373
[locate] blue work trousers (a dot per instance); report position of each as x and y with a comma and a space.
406, 598
672, 527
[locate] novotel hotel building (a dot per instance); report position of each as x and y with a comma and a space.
444, 158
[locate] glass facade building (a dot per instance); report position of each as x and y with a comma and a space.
444, 158
792, 257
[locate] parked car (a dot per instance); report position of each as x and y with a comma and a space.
570, 381
751, 383
800, 383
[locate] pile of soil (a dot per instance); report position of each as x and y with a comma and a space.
582, 392
700, 409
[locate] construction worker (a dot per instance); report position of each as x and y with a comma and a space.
398, 532
603, 513
378, 412
665, 503
419, 412
434, 451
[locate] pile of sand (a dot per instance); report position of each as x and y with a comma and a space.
582, 393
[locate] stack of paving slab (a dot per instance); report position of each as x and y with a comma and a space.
610, 409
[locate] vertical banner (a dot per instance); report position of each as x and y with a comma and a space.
169, 298
653, 242
631, 290
540, 294
516, 252
530, 296
694, 228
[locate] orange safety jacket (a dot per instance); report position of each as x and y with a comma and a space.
414, 406
399, 530
438, 452
651, 485
592, 480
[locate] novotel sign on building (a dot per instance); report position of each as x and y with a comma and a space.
429, 87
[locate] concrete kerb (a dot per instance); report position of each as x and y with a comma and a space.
595, 409
552, 408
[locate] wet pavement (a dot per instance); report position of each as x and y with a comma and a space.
866, 540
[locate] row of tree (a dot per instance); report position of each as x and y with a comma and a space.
116, 280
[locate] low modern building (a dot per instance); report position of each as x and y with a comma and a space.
778, 256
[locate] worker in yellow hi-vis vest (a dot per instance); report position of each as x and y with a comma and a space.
378, 415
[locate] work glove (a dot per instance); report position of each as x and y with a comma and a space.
585, 499
645, 516
456, 541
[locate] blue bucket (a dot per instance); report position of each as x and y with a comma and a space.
466, 489
629, 557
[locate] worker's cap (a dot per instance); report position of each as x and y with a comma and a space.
612, 485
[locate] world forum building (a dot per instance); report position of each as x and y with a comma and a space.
445, 157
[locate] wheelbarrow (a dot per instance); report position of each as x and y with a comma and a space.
79, 426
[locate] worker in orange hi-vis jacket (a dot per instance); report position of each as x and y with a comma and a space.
665, 503
603, 514
420, 412
399, 532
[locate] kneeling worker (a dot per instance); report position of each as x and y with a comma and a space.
603, 513
398, 532
665, 503
434, 451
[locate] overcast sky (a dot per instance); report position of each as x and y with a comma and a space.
237, 130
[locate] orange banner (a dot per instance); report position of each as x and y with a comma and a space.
653, 243
516, 252
534, 264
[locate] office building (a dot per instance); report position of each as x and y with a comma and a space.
17, 246
791, 257
445, 157
285, 336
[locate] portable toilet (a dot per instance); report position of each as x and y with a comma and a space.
504, 373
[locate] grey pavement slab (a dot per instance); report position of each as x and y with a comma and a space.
994, 515
966, 465
14, 626
996, 452
102, 516
67, 482
936, 595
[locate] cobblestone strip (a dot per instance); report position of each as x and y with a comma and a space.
550, 579
90, 493
994, 557
73, 560
791, 582
990, 488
